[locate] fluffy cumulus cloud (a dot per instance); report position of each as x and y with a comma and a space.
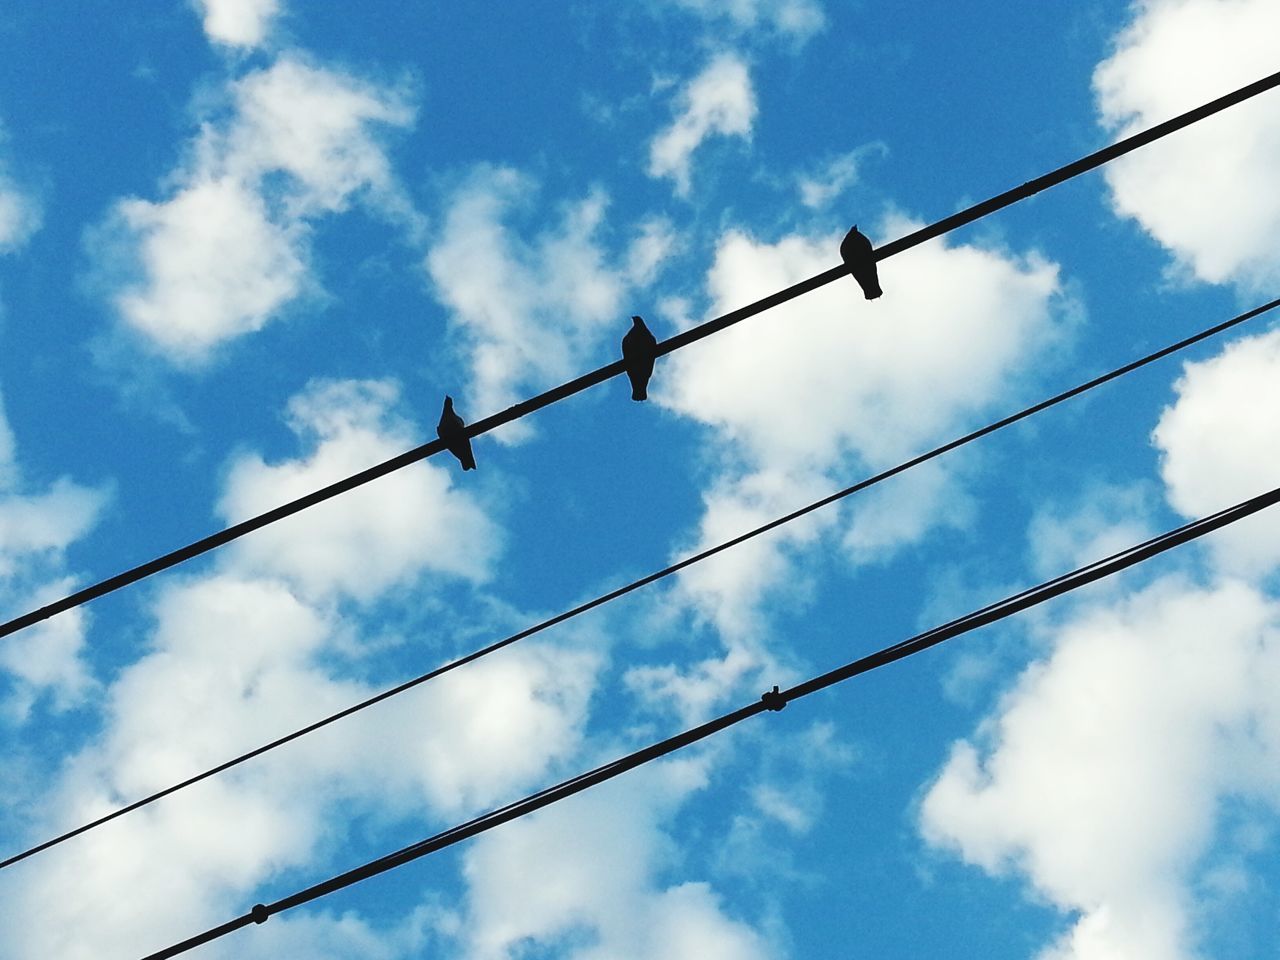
238, 23
797, 20
531, 302
1113, 774
36, 527
830, 374
216, 266
828, 387
1207, 193
1105, 773
1217, 446
719, 101
599, 860
489, 732
227, 251
409, 522
251, 650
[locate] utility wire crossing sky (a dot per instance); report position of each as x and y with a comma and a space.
248, 247
771, 701
658, 575
676, 342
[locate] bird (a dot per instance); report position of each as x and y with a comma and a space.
452, 430
639, 350
856, 252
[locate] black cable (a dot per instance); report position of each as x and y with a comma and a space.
565, 390
773, 700
654, 577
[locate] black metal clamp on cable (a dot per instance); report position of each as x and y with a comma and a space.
772, 699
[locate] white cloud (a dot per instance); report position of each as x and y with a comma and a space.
44, 522
692, 692
787, 801
833, 177
254, 649
19, 209
484, 734
1066, 531
215, 266
382, 534
327, 937
830, 374
237, 660
1104, 771
532, 305
46, 657
904, 509
234, 662
597, 859
35, 530
36, 527
1206, 193
727, 588
797, 20
8, 453
730, 591
1106, 519
1217, 445
227, 252
654, 243
1107, 774
828, 387
321, 127
720, 100
19, 215
230, 665
238, 23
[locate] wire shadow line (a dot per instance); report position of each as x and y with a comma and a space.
565, 390
656, 576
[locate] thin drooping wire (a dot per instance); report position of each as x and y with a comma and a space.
565, 390
657, 575
775, 700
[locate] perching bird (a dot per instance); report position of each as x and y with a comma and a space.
639, 348
855, 251
451, 430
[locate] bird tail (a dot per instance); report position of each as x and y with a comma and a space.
638, 392
469, 463
872, 290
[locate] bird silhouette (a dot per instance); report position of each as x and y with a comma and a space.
856, 252
639, 350
452, 430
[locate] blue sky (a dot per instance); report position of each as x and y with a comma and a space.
246, 246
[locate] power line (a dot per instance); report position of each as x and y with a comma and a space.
566, 390
655, 576
773, 700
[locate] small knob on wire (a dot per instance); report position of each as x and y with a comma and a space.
773, 700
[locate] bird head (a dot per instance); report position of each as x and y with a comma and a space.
636, 321
448, 402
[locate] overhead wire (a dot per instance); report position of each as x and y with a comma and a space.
680, 340
773, 700
657, 575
